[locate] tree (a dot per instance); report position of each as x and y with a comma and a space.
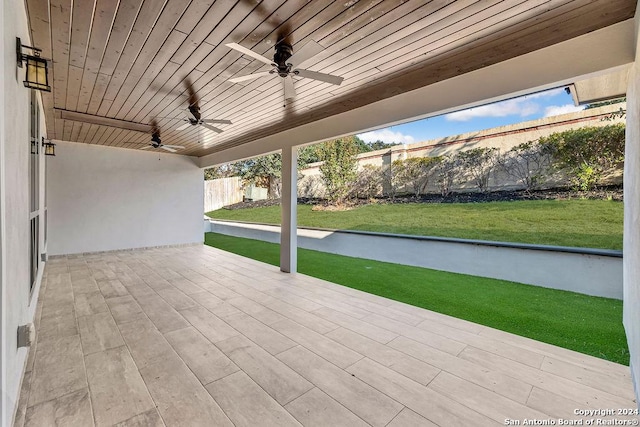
587, 153
263, 171
416, 172
216, 172
479, 163
338, 169
526, 163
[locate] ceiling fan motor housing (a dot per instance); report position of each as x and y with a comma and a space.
284, 51
155, 139
195, 111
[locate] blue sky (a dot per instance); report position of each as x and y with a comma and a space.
530, 107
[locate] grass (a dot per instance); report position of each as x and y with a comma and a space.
579, 223
590, 325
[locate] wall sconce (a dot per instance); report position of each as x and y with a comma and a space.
34, 146
49, 148
37, 76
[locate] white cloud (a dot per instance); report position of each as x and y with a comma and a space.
386, 135
555, 110
523, 106
520, 106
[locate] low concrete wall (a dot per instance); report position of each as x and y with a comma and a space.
587, 271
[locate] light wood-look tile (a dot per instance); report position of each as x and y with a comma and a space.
492, 379
161, 314
125, 309
360, 398
59, 369
73, 409
267, 338
317, 409
277, 379
400, 362
325, 347
206, 361
90, 303
146, 343
408, 418
99, 332
209, 324
117, 390
247, 404
255, 346
431, 405
180, 398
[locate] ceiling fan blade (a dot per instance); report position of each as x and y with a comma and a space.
165, 147
323, 77
289, 89
249, 77
213, 128
147, 147
184, 126
249, 52
223, 122
177, 147
305, 53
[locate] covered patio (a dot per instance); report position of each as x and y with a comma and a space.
197, 336
136, 322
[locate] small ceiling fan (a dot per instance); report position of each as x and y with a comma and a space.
285, 65
156, 142
194, 109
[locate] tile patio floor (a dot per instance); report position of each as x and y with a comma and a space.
197, 336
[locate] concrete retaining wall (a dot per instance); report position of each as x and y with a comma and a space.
587, 271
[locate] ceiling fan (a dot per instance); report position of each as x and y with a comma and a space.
194, 109
285, 65
156, 142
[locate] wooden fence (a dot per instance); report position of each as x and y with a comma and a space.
222, 192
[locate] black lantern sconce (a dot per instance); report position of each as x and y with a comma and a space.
37, 76
49, 148
35, 145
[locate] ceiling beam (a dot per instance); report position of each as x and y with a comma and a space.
99, 120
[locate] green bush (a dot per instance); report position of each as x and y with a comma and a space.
588, 153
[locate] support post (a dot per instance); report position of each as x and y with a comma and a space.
288, 206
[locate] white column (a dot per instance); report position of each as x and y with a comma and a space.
288, 206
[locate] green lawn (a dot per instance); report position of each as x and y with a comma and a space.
579, 223
582, 323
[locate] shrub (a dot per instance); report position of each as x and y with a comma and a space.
447, 171
368, 182
479, 163
587, 153
415, 172
526, 163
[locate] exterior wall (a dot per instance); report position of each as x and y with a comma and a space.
591, 272
102, 198
632, 223
18, 304
503, 138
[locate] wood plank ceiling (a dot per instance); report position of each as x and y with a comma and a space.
133, 59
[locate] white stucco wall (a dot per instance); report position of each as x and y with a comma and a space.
631, 246
597, 273
102, 198
17, 303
